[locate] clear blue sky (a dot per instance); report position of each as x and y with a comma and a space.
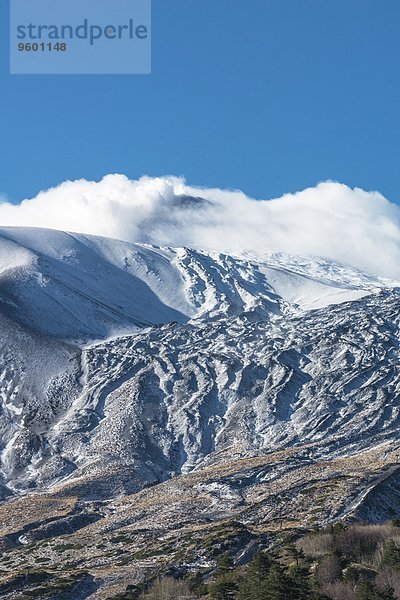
268, 96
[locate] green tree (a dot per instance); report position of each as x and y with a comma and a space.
260, 565
299, 583
277, 585
250, 587
224, 587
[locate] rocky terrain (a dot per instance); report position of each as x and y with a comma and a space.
160, 406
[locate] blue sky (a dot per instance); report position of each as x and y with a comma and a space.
268, 96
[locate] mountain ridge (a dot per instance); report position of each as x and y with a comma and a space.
96, 286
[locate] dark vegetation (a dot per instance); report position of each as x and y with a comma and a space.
355, 562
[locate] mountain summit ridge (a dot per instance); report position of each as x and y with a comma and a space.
91, 287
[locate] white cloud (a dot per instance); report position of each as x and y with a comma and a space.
330, 220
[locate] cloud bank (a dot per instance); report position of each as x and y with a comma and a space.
331, 220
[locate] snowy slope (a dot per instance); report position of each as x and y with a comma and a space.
77, 287
159, 360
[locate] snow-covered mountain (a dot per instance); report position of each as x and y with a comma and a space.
76, 287
158, 361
